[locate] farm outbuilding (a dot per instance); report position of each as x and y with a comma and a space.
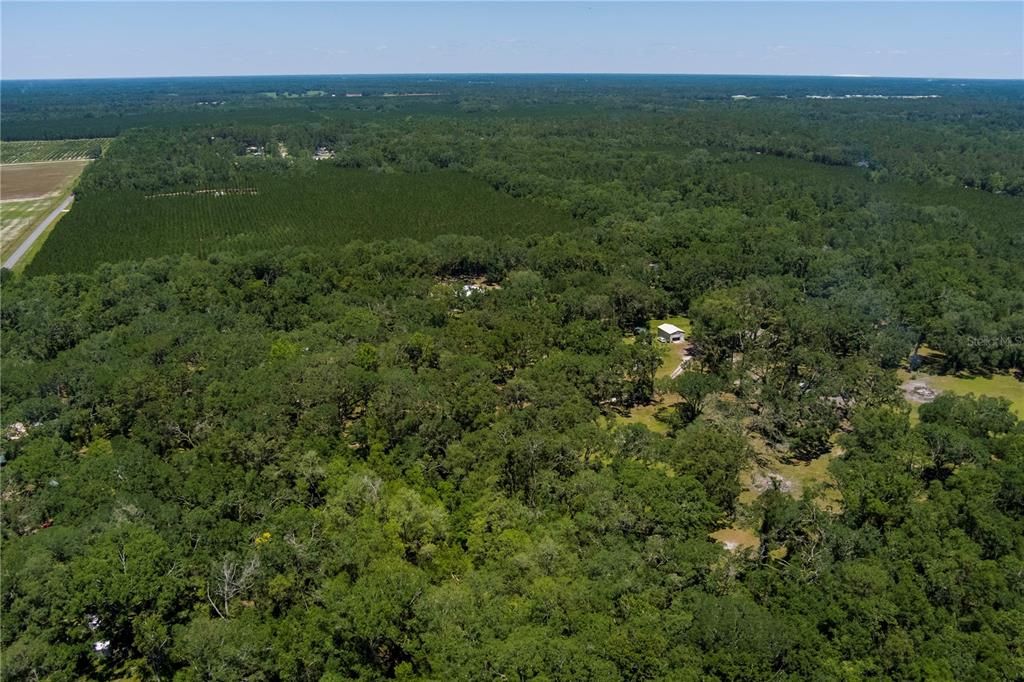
669, 333
322, 153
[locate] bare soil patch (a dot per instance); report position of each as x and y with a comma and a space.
35, 180
737, 539
918, 391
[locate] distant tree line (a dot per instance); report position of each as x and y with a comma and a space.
959, 133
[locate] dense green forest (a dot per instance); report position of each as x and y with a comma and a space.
301, 466
907, 263
268, 417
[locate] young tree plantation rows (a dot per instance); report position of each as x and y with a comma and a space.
56, 150
323, 208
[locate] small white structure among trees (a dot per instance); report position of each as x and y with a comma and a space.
669, 333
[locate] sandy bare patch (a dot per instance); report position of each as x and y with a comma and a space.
918, 391
762, 482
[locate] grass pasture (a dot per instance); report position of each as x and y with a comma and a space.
18, 218
327, 207
31, 151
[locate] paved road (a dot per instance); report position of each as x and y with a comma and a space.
38, 232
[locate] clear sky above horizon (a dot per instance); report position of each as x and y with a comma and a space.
125, 39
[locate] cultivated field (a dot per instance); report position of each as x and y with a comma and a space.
28, 192
52, 150
36, 180
328, 207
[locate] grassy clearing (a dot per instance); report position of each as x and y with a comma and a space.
737, 539
671, 353
995, 386
30, 151
794, 476
327, 207
647, 414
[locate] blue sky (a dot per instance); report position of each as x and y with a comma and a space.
94, 39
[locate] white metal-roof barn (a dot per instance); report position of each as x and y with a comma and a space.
669, 333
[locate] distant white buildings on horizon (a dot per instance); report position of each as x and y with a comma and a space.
848, 96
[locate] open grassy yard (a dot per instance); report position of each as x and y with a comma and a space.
327, 207
995, 385
671, 353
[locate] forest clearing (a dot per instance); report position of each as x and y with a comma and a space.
996, 385
767, 468
671, 357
